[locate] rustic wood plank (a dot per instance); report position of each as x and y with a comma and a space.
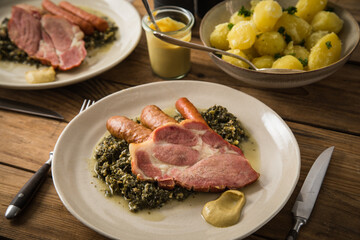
338, 197
340, 193
45, 218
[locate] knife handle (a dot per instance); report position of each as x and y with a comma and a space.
293, 233
27, 192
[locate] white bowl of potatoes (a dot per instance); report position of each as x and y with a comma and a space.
314, 36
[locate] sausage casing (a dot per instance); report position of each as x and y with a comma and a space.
153, 117
127, 129
51, 7
188, 110
99, 23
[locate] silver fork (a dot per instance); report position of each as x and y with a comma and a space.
27, 192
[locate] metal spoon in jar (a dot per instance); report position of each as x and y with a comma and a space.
181, 43
147, 7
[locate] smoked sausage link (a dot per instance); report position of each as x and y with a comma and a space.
127, 129
99, 23
188, 110
51, 7
153, 117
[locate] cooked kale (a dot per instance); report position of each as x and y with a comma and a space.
113, 164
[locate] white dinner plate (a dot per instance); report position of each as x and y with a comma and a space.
121, 12
279, 166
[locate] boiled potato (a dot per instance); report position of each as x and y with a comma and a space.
311, 40
270, 43
297, 28
235, 61
218, 38
251, 53
306, 9
288, 62
253, 4
327, 21
297, 51
236, 17
325, 52
242, 35
266, 13
263, 61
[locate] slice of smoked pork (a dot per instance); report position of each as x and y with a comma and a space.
67, 39
191, 155
51, 39
47, 52
24, 28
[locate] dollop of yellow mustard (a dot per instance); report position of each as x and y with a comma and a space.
226, 210
167, 24
40, 75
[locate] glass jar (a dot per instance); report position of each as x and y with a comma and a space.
169, 61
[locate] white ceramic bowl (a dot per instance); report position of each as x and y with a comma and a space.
349, 35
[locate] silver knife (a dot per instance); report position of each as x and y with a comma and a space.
28, 108
305, 201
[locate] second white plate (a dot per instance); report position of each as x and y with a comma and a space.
121, 12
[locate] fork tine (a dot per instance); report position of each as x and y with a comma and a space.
87, 103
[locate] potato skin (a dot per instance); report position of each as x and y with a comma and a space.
325, 52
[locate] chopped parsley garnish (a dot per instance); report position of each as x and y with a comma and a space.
304, 62
287, 38
281, 30
328, 44
244, 11
277, 56
230, 26
291, 10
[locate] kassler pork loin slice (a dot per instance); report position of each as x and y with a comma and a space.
67, 39
192, 155
24, 27
51, 39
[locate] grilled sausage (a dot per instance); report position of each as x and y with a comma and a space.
127, 129
99, 23
188, 110
153, 117
51, 7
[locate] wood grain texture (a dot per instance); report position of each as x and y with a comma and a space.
323, 114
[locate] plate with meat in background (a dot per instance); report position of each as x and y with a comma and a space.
120, 12
278, 162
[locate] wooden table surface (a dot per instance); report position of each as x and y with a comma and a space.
320, 115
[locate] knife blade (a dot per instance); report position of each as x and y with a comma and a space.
306, 199
28, 108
